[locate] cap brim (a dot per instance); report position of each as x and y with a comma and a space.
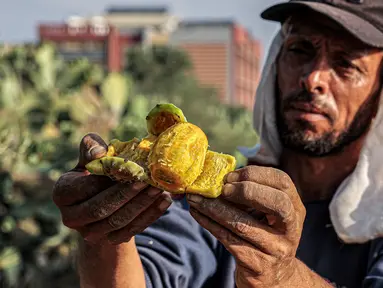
357, 26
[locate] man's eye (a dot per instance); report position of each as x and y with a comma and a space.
298, 50
344, 63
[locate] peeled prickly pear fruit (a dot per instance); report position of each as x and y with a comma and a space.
210, 182
162, 117
177, 157
173, 157
140, 153
117, 169
122, 149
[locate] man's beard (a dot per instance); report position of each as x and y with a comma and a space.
330, 143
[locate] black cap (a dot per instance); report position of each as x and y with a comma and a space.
362, 18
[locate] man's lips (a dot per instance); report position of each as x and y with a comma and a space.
306, 111
308, 108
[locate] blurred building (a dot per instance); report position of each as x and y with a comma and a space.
104, 39
224, 54
156, 24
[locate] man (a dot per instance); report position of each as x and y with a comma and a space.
271, 226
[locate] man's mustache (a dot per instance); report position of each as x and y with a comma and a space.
310, 102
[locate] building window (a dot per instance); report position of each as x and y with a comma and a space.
71, 46
100, 30
94, 46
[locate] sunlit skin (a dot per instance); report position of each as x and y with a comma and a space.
341, 79
324, 132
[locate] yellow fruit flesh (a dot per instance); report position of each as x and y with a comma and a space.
123, 149
164, 120
209, 183
177, 157
141, 152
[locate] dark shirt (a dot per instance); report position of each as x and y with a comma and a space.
176, 252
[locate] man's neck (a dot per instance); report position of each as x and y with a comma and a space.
317, 178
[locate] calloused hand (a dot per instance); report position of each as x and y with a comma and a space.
103, 210
259, 219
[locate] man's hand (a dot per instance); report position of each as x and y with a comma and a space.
259, 219
100, 209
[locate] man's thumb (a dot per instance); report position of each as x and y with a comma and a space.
92, 147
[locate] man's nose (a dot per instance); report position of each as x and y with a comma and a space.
316, 77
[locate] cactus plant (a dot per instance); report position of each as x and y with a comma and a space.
46, 105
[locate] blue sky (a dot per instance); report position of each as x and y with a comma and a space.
18, 18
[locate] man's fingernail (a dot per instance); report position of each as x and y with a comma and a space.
174, 196
228, 189
194, 198
96, 152
165, 203
232, 177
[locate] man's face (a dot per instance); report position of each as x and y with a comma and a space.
328, 84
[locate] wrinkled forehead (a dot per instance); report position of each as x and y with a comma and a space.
315, 27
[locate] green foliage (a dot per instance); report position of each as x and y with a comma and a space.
35, 249
157, 69
47, 106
